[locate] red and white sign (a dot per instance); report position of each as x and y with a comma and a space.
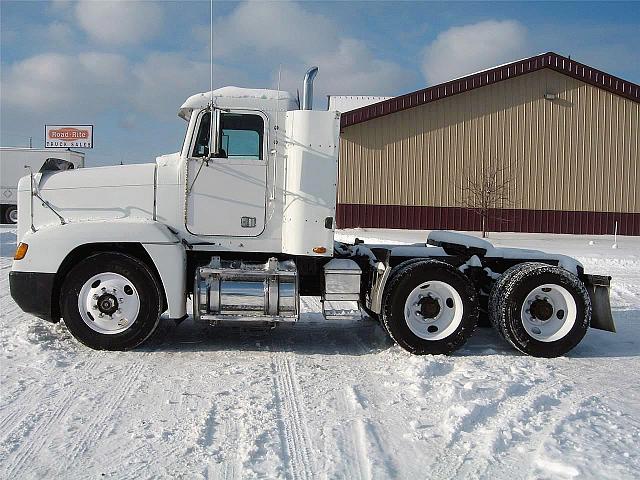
67, 136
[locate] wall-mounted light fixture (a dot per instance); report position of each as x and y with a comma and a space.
550, 96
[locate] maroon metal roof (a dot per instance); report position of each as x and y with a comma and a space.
550, 60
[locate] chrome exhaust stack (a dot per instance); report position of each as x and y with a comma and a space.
307, 89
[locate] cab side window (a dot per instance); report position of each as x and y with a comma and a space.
242, 136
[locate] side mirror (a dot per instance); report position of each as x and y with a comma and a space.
215, 125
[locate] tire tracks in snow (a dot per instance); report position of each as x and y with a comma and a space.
230, 467
568, 404
37, 436
100, 422
353, 436
294, 434
15, 415
471, 435
556, 396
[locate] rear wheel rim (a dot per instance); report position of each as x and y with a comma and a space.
549, 313
109, 303
433, 310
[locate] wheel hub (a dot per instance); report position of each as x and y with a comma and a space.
429, 307
433, 310
107, 304
541, 309
548, 312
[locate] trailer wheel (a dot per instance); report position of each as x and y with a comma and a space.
111, 301
11, 214
542, 310
429, 307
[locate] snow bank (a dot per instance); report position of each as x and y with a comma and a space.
322, 399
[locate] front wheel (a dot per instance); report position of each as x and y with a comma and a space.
429, 307
542, 310
111, 301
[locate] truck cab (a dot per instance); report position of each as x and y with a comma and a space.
241, 221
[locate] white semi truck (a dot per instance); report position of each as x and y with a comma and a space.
241, 220
15, 161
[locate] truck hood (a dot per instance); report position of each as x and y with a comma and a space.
88, 194
115, 176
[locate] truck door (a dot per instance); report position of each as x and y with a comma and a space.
227, 195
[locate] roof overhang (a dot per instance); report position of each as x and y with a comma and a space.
549, 60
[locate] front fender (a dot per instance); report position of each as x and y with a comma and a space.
49, 246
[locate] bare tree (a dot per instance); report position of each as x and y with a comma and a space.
487, 190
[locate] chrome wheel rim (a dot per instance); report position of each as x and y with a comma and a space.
549, 312
109, 303
433, 310
13, 215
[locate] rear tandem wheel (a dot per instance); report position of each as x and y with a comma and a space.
430, 307
542, 310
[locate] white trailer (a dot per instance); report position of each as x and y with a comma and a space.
15, 162
241, 220
345, 103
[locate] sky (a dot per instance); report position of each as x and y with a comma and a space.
126, 66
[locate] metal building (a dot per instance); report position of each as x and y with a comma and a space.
564, 135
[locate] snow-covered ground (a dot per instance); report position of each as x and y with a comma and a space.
324, 400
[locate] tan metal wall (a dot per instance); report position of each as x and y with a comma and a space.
579, 152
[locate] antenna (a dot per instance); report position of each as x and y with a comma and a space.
212, 126
211, 48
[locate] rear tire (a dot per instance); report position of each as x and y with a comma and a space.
429, 307
111, 301
542, 310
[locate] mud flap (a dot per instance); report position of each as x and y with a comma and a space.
598, 288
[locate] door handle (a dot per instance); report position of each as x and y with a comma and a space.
248, 222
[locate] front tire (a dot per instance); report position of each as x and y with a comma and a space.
430, 307
111, 301
542, 310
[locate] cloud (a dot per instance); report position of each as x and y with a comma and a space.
119, 22
164, 80
462, 50
350, 69
286, 33
53, 81
95, 82
276, 27
59, 34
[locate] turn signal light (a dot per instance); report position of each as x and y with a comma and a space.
21, 251
319, 250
